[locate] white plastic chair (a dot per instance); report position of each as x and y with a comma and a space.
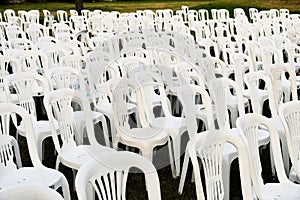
8, 65
62, 16
284, 88
131, 65
38, 174
209, 146
153, 94
59, 110
14, 31
20, 43
54, 53
144, 138
24, 84
289, 115
97, 72
252, 80
203, 14
110, 172
187, 95
34, 61
63, 77
235, 102
48, 18
29, 192
240, 60
8, 13
35, 31
68, 77
248, 126
220, 91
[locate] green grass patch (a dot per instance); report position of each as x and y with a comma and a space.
133, 5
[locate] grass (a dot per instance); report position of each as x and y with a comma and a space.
131, 6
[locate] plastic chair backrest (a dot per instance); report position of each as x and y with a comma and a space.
248, 126
290, 116
208, 146
63, 77
24, 83
220, 92
187, 95
58, 105
252, 81
121, 90
8, 111
110, 172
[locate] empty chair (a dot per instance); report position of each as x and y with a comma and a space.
34, 61
62, 16
284, 13
219, 91
8, 13
97, 72
8, 65
203, 14
58, 105
54, 53
249, 126
132, 65
48, 18
14, 31
20, 43
144, 138
252, 80
11, 176
35, 31
68, 77
289, 115
63, 77
154, 95
24, 85
29, 192
110, 172
209, 146
75, 61
73, 12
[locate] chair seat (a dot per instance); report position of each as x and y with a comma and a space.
263, 94
76, 156
169, 122
41, 127
106, 108
286, 191
28, 175
79, 116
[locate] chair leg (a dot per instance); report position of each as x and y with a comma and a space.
147, 153
17, 152
285, 152
57, 163
65, 188
171, 156
183, 173
176, 147
226, 177
40, 148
